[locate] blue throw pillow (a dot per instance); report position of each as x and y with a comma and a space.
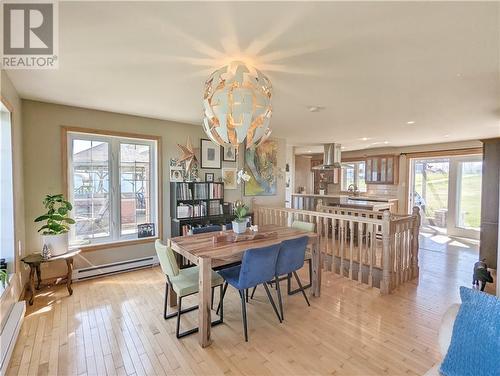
475, 343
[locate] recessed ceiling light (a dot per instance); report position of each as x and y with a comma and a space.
342, 147
365, 139
446, 135
309, 151
411, 122
315, 108
386, 142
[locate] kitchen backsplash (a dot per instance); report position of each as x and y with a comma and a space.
382, 190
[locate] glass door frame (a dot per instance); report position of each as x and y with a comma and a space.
455, 158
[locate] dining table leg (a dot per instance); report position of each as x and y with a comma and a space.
204, 296
316, 267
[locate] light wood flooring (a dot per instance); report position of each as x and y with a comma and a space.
114, 326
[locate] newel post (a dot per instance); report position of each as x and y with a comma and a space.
414, 242
385, 283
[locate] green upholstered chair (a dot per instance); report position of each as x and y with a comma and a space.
304, 226
184, 282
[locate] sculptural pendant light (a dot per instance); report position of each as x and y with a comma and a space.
237, 103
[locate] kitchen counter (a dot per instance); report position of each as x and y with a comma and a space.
309, 201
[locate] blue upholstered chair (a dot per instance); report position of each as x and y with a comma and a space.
291, 259
184, 282
305, 226
257, 267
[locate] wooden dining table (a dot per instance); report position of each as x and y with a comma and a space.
201, 250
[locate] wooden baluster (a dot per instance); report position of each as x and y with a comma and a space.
360, 252
399, 247
341, 245
351, 246
414, 243
373, 242
385, 283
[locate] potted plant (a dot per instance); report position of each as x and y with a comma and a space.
240, 222
55, 230
4, 277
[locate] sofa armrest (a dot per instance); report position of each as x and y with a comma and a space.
446, 328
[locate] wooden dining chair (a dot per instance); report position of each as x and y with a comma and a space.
184, 282
257, 267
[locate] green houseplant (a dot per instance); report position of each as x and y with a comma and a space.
4, 277
240, 222
57, 223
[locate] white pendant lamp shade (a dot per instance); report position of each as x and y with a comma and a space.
237, 103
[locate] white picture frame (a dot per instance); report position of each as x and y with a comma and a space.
229, 175
176, 174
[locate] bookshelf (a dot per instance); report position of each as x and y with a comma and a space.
196, 203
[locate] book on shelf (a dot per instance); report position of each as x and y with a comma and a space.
200, 209
183, 192
216, 190
184, 211
215, 208
200, 191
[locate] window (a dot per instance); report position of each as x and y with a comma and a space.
353, 173
113, 186
7, 242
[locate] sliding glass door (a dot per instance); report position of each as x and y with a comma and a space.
448, 192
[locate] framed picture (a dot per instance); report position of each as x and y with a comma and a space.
229, 178
176, 174
210, 154
209, 176
145, 230
229, 153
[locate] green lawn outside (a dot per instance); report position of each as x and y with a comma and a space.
437, 195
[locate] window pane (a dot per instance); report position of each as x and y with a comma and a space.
361, 183
135, 181
347, 175
91, 199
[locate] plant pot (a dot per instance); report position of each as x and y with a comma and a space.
239, 227
57, 244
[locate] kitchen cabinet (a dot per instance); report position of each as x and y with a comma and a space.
382, 169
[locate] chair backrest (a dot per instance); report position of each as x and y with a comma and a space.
201, 230
167, 259
258, 266
305, 226
291, 255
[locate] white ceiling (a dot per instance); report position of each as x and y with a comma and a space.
372, 66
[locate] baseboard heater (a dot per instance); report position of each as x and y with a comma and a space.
9, 334
114, 268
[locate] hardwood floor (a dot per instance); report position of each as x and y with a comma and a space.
114, 326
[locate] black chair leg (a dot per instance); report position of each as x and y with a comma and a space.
253, 292
212, 298
271, 300
289, 283
301, 288
244, 313
222, 296
179, 307
280, 302
293, 292
221, 303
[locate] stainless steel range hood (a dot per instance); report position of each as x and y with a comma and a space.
331, 157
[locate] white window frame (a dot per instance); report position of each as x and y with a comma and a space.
114, 142
7, 233
356, 164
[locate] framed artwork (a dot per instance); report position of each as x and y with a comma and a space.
229, 153
210, 154
209, 176
261, 164
176, 174
145, 230
229, 177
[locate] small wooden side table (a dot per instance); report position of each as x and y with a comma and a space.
35, 260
